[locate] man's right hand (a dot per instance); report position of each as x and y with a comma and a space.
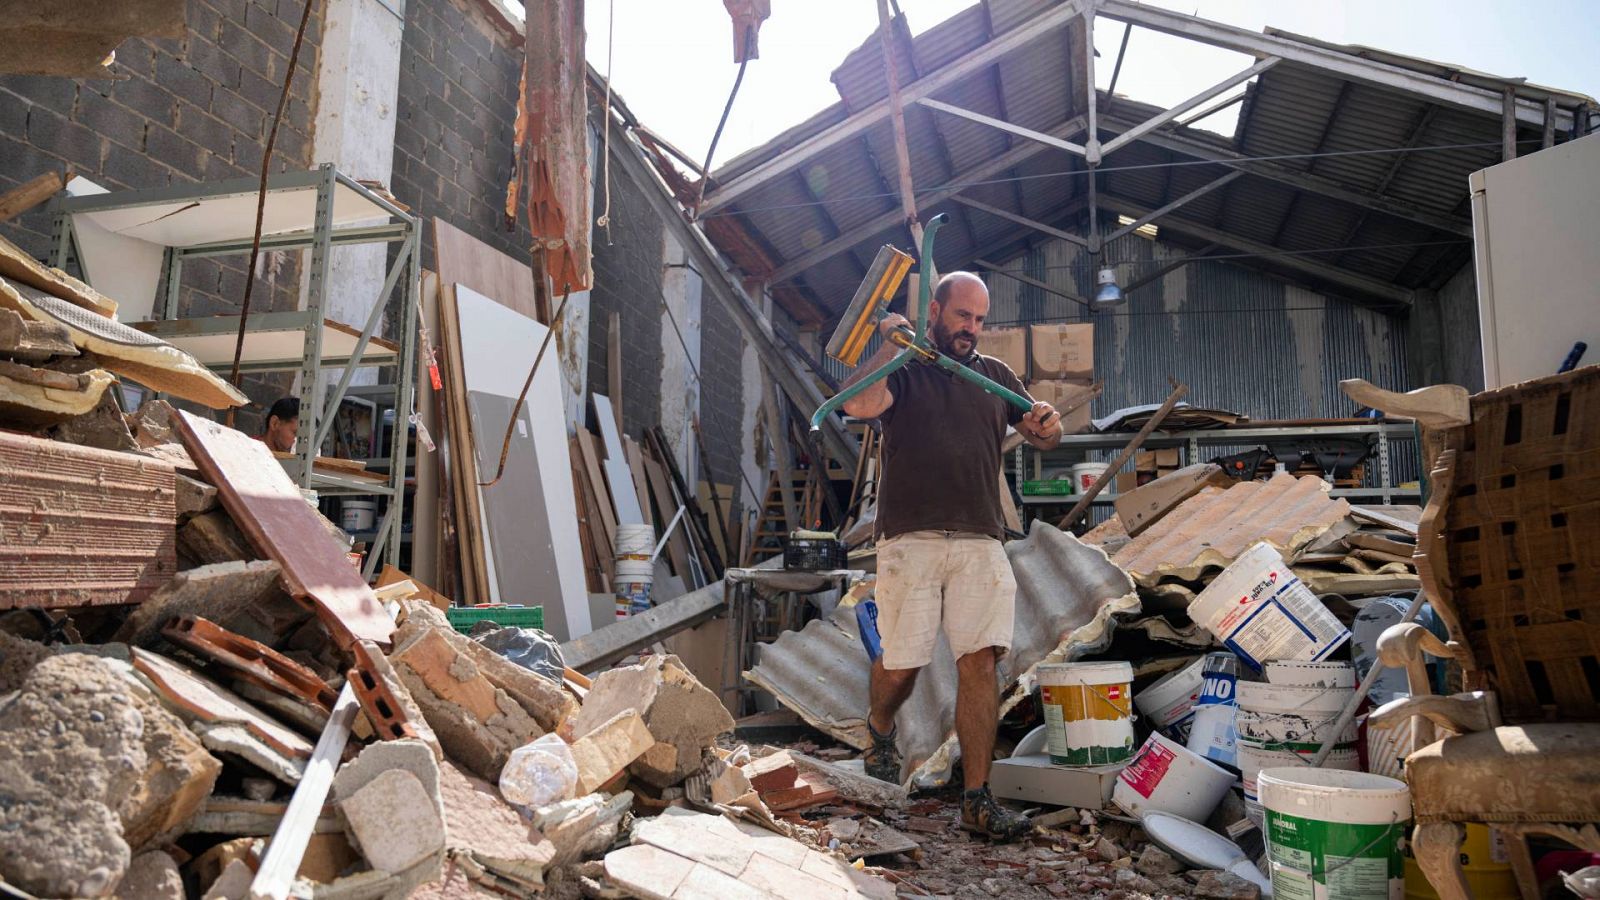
890, 322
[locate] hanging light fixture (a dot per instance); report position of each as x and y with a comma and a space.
1108, 294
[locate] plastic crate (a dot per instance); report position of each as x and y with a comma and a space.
1060, 487
462, 618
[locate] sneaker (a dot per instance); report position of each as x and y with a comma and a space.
980, 814
883, 760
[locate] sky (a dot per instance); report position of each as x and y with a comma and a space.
672, 60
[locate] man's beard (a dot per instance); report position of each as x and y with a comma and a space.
946, 341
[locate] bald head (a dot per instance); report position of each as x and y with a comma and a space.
960, 304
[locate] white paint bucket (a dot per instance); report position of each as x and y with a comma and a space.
1291, 716
633, 572
1334, 835
1253, 758
1088, 712
1327, 674
1085, 474
1169, 703
357, 515
1166, 776
1261, 611
1212, 733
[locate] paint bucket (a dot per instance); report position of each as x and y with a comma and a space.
634, 571
1261, 611
1085, 474
1213, 733
1293, 717
1166, 776
1387, 748
357, 515
1088, 712
1168, 704
1327, 674
1253, 758
1334, 835
1486, 860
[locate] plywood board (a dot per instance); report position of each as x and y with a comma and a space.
269, 510
465, 260
531, 514
597, 484
627, 506
677, 545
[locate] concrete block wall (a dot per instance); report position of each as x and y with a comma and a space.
455, 122
628, 270
195, 108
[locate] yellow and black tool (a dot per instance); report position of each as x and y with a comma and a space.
872, 298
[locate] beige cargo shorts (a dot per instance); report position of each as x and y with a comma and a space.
931, 578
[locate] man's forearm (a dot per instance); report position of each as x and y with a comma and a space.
1042, 443
875, 395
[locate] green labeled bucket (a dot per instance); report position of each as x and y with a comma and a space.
1335, 835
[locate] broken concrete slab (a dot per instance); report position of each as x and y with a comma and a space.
411, 755
583, 826
64, 783
484, 829
603, 753
199, 699
1070, 598
225, 592
395, 820
850, 781
237, 740
232, 884
1214, 527
35, 397
683, 715
194, 497
540, 697
151, 876
476, 723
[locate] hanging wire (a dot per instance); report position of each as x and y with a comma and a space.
705, 170
605, 154
1173, 164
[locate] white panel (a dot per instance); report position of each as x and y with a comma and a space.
1535, 220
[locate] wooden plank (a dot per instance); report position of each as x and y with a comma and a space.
433, 558
31, 193
269, 510
604, 646
616, 464
469, 517
641, 485
601, 492
677, 544
1396, 517
463, 259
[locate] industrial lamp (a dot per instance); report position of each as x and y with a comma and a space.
1108, 294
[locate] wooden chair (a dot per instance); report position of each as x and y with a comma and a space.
1508, 551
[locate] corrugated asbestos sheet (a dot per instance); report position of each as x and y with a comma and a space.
82, 527
1212, 528
1069, 599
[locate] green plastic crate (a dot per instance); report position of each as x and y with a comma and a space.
1057, 488
464, 617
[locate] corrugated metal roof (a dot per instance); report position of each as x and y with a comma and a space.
1290, 110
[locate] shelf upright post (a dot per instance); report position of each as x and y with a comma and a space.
311, 355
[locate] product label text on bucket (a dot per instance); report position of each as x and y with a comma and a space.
1313, 859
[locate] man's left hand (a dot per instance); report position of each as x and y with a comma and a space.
1042, 422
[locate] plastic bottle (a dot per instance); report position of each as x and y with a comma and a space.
539, 773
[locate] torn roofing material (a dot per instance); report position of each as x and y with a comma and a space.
1214, 526
1069, 596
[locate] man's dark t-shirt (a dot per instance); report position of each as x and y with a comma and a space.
941, 450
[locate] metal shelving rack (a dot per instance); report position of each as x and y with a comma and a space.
1191, 441
315, 210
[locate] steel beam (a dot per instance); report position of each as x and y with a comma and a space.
1029, 280
948, 76
1021, 220
1151, 216
883, 222
1214, 108
1316, 184
1007, 127
1170, 265
1343, 277
1346, 65
1156, 121
784, 368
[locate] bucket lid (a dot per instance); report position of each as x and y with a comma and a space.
1107, 672
1328, 674
1199, 846
1032, 743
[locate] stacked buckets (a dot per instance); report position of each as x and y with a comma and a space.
1285, 721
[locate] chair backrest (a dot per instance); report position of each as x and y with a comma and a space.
1520, 547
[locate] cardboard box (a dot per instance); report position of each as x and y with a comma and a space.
1032, 779
1009, 345
1125, 482
1062, 351
1061, 393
